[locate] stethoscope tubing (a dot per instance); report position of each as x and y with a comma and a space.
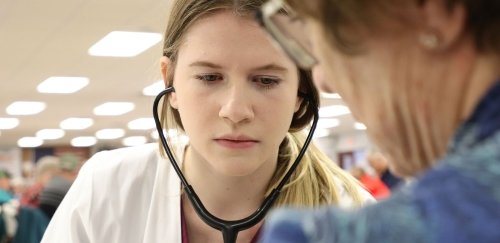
229, 228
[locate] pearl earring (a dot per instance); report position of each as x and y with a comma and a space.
429, 40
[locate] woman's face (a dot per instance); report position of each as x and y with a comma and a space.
235, 93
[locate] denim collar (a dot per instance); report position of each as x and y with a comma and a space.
482, 124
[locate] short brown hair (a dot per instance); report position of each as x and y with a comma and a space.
482, 22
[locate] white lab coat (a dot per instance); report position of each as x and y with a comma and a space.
128, 195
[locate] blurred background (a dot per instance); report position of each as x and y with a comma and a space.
79, 76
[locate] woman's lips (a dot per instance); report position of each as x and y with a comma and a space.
236, 144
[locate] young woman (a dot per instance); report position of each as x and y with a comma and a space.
236, 98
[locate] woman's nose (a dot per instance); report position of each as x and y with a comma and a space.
237, 106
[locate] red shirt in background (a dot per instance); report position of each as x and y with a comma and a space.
375, 186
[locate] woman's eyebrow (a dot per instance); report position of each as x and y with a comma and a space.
205, 64
271, 67
267, 67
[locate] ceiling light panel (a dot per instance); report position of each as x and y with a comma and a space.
110, 133
324, 123
124, 44
113, 108
320, 133
29, 142
85, 141
154, 89
76, 123
333, 111
359, 126
142, 124
48, 134
8, 123
62, 85
23, 108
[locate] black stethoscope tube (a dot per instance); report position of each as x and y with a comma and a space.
229, 228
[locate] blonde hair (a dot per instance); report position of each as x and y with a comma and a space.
317, 179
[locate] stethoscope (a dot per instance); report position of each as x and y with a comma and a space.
229, 228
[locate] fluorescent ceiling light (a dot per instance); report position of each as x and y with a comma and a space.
113, 108
124, 44
62, 85
330, 95
154, 89
85, 141
134, 140
333, 110
8, 123
320, 133
75, 123
110, 133
50, 134
359, 126
324, 123
22, 108
142, 124
29, 142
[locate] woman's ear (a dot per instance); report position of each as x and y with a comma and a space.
165, 65
298, 103
442, 25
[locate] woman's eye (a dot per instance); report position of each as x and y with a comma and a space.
266, 82
209, 77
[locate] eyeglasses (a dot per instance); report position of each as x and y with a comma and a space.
287, 30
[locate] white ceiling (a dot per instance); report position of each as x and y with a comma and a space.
40, 39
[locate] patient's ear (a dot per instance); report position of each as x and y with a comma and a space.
165, 65
443, 26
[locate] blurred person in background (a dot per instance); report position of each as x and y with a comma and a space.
380, 165
424, 77
5, 186
18, 186
244, 106
372, 184
59, 183
45, 168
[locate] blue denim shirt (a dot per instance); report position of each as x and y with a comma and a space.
456, 201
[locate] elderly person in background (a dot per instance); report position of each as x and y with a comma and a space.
46, 167
58, 185
424, 76
381, 167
